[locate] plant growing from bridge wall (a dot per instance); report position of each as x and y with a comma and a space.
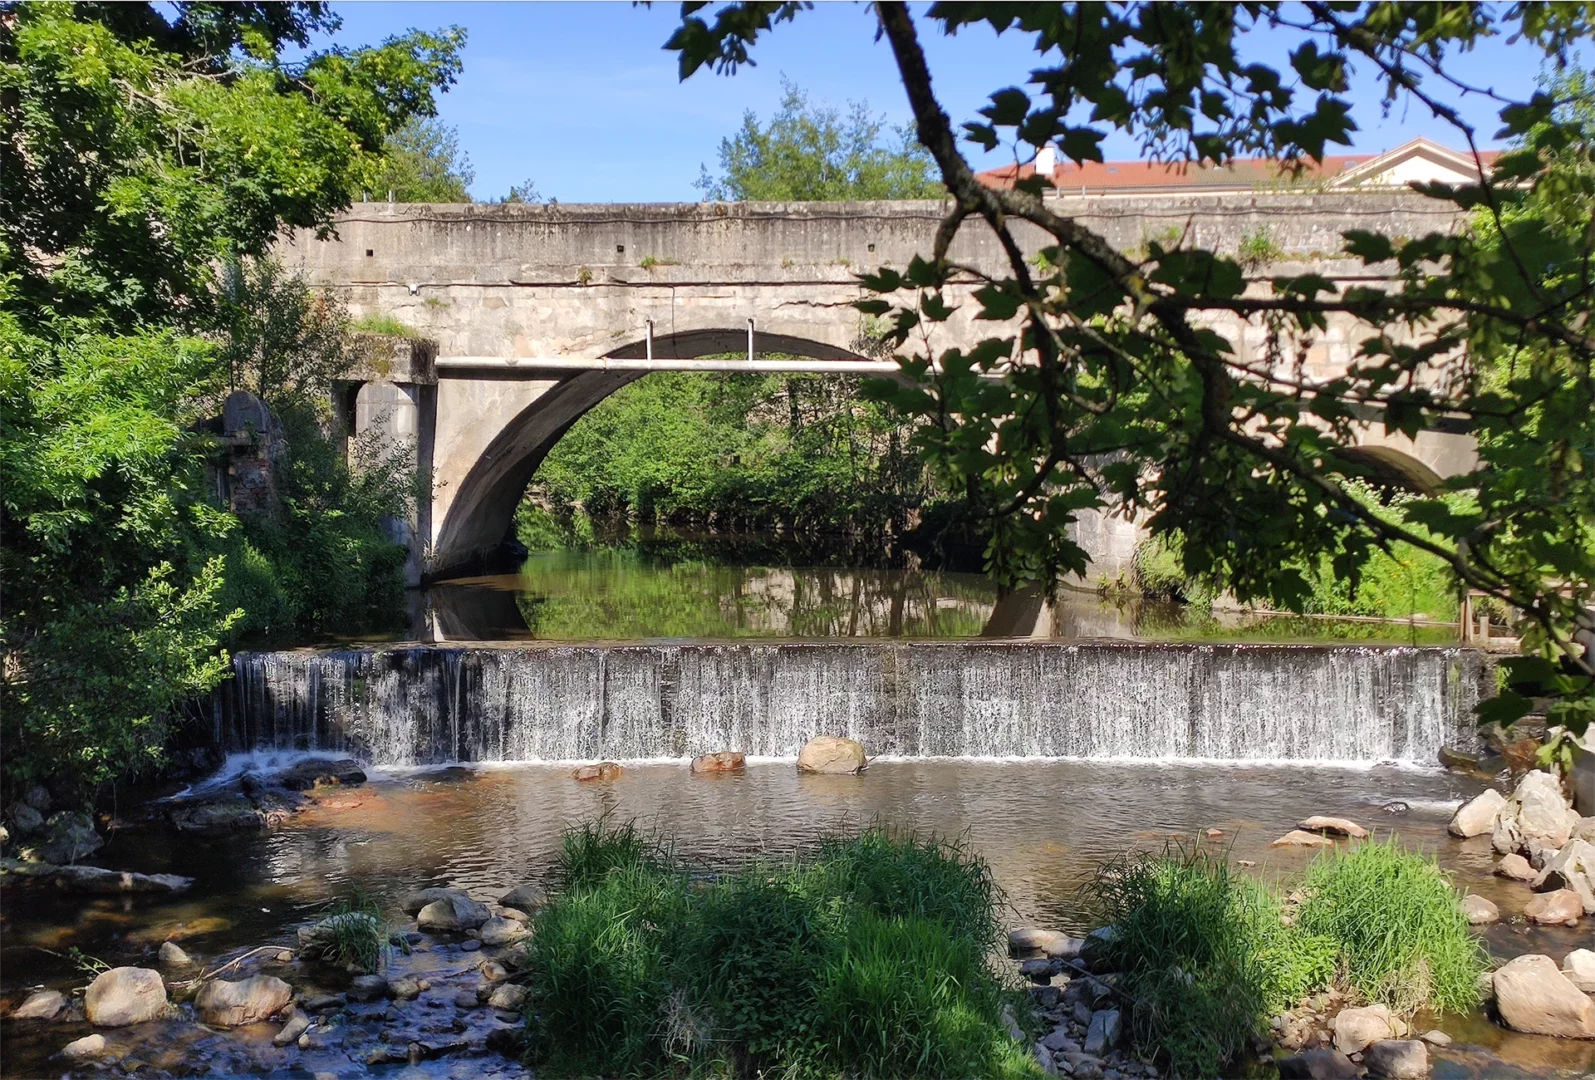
1102, 384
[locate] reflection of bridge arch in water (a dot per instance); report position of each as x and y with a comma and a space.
628, 594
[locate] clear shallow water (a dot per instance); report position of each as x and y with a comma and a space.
1042, 825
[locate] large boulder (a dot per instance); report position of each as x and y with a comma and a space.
723, 761
411, 903
248, 1001
508, 996
603, 770
68, 837
1032, 941
832, 754
1303, 838
1478, 815
125, 995
453, 914
1515, 867
1338, 826
1532, 995
528, 898
297, 1024
1397, 1059
1571, 868
1104, 1031
1479, 910
26, 819
1559, 908
93, 879
1320, 1064
1537, 815
171, 955
1357, 1029
225, 816
84, 1049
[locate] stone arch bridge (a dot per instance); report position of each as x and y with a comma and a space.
528, 316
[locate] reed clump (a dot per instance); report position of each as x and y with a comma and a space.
871, 957
1207, 956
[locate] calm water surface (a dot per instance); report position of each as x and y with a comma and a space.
665, 587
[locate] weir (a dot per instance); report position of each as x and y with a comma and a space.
422, 705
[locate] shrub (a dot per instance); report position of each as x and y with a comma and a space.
751, 956
1182, 941
870, 958
1395, 921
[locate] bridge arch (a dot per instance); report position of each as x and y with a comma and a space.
495, 425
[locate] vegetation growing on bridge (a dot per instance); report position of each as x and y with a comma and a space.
1108, 388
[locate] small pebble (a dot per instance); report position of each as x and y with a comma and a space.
470, 945
285, 957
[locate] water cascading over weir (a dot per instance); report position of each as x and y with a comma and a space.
422, 705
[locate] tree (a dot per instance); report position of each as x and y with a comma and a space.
1118, 394
524, 192
145, 148
422, 162
816, 153
145, 144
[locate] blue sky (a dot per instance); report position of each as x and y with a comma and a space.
581, 99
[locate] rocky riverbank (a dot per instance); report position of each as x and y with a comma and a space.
446, 987
1543, 844
445, 827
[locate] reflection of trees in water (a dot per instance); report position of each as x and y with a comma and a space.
626, 594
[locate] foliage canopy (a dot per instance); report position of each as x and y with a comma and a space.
422, 162
818, 153
1101, 383
150, 156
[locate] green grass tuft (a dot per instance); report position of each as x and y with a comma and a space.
593, 850
1396, 923
384, 324
1207, 956
870, 958
355, 925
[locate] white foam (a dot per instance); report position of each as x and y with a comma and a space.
265, 760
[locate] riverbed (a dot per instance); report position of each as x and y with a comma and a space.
1043, 826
